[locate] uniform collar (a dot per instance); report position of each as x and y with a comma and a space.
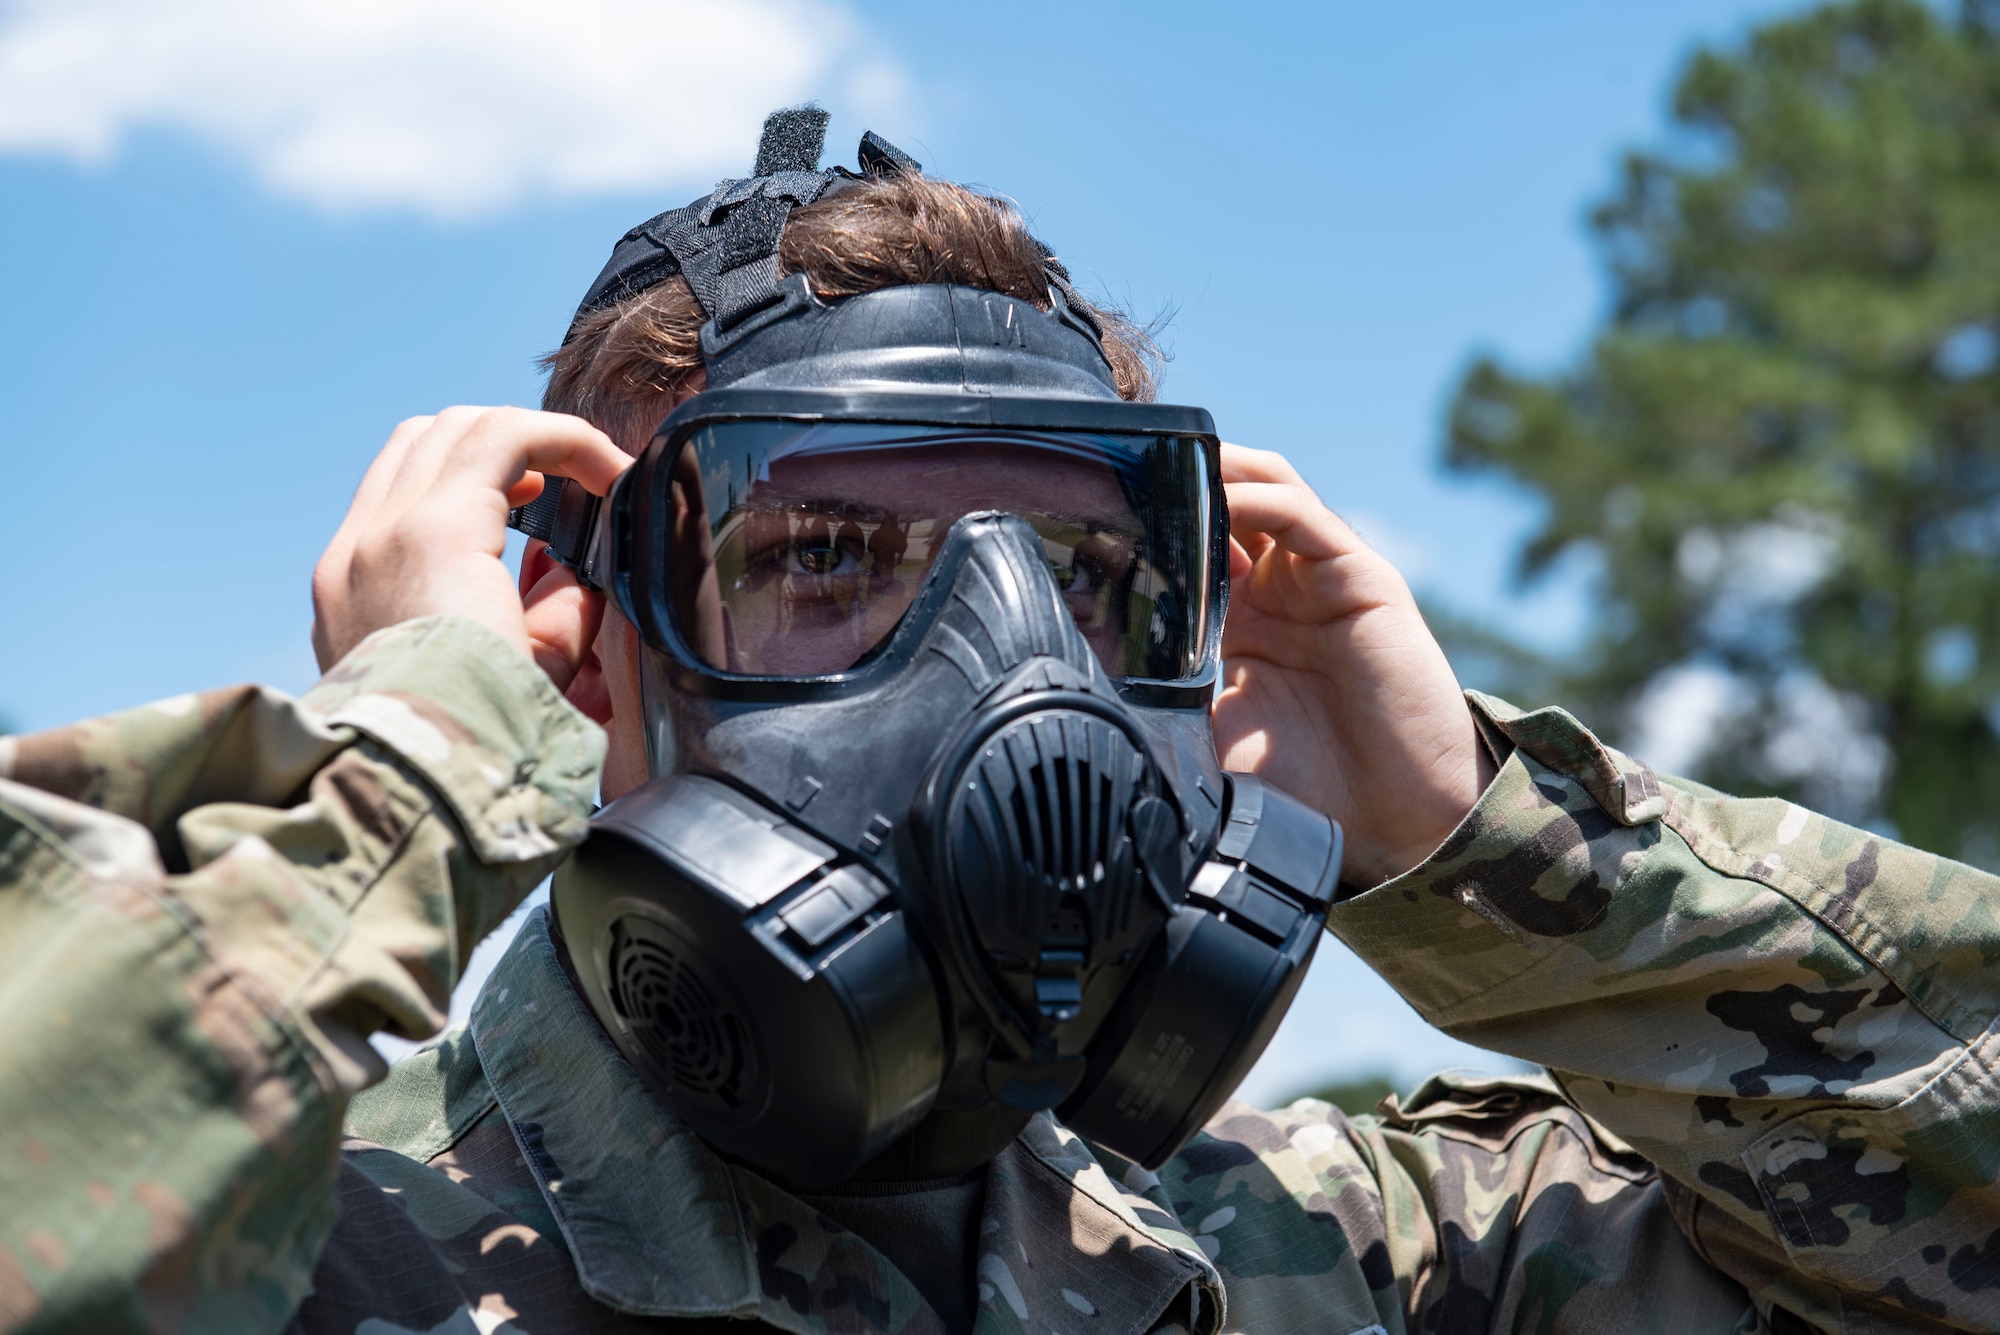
660, 1225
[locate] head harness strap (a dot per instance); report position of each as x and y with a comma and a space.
726, 243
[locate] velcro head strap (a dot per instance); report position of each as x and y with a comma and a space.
792, 141
728, 251
879, 157
726, 243
567, 518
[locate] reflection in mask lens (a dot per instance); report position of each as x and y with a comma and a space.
798, 547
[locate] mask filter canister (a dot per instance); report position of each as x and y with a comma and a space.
772, 992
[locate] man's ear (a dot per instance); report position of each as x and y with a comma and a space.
535, 563
586, 688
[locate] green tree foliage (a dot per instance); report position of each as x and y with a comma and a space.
1783, 446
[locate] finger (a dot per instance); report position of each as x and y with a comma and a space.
493, 449
1241, 563
381, 475
1242, 464
331, 571
376, 484
1252, 543
428, 457
503, 450
1314, 568
507, 442
526, 490
1292, 517
375, 538
467, 470
472, 466
469, 495
562, 619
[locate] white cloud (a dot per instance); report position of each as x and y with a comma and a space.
451, 108
1766, 564
1681, 712
1825, 741
1813, 736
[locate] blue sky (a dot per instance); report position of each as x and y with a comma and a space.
243, 238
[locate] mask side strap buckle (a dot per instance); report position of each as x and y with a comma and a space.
567, 518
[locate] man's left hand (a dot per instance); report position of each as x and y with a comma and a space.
1334, 688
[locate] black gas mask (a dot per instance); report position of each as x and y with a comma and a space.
936, 837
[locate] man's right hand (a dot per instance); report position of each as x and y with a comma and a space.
428, 526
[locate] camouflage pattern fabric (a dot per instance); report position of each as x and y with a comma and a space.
538, 1182
1791, 1018
1587, 915
1770, 1103
206, 905
520, 1173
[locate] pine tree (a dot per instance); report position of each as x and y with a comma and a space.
1783, 446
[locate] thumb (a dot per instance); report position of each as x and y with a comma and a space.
562, 619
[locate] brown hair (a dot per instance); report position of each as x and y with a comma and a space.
629, 361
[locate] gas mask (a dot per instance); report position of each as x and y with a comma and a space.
936, 838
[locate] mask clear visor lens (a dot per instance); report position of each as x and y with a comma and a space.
798, 547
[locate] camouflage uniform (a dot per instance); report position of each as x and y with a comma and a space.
1771, 1098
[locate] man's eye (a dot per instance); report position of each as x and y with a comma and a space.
1079, 574
821, 558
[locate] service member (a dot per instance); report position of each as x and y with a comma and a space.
961, 851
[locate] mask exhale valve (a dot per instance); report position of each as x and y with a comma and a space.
1030, 820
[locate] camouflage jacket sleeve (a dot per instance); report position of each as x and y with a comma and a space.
1793, 1019
206, 906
